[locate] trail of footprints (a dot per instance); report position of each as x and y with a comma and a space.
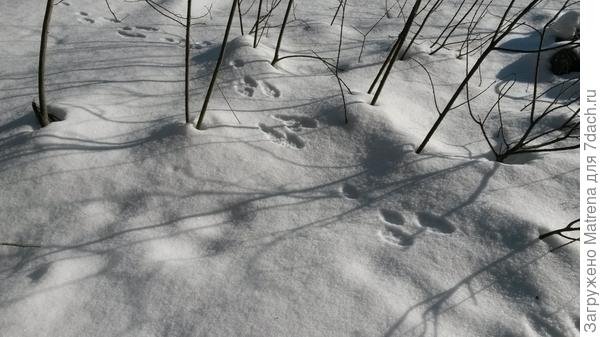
284, 133
396, 230
135, 32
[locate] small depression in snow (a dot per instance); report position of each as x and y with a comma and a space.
435, 223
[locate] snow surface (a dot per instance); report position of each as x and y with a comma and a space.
566, 26
286, 223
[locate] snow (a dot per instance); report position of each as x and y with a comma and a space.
286, 223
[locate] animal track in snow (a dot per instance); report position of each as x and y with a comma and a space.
250, 81
147, 28
177, 41
269, 89
247, 86
237, 63
435, 223
39, 272
396, 230
288, 136
129, 32
198, 45
391, 217
84, 17
349, 191
270, 131
393, 232
294, 140
245, 90
395, 235
296, 123
284, 138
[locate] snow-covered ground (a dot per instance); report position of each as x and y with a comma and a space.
276, 219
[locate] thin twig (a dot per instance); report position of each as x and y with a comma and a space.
229, 105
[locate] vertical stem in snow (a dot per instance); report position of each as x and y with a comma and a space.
385, 63
219, 61
287, 13
239, 5
401, 39
256, 24
337, 62
187, 60
44, 121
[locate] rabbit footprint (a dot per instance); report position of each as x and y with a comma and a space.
269, 89
396, 236
247, 86
85, 17
237, 63
394, 231
284, 138
435, 223
349, 191
391, 217
147, 28
130, 32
